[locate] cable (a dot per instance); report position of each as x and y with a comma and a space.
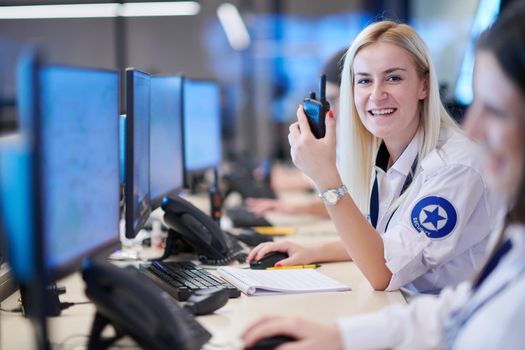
67, 305
15, 310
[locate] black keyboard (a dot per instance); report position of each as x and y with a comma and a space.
242, 217
181, 278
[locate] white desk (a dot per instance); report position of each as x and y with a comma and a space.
71, 329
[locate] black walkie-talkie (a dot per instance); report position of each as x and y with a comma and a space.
316, 110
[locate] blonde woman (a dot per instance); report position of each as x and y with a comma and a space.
487, 312
405, 190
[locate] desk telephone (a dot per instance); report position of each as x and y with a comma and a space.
137, 307
193, 230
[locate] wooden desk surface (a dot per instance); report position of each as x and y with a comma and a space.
71, 329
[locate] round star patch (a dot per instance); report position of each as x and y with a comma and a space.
435, 216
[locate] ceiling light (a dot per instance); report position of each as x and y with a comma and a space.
137, 9
234, 27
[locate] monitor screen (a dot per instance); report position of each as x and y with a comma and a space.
202, 125
79, 164
486, 14
16, 210
166, 164
16, 174
137, 187
122, 148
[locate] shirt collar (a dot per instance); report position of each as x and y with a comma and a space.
404, 163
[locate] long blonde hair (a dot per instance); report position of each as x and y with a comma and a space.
356, 146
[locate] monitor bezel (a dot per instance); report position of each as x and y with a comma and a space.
156, 202
74, 264
130, 231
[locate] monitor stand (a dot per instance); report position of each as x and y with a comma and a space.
174, 245
52, 305
33, 300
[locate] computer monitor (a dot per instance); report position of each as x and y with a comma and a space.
17, 207
137, 187
71, 173
59, 179
166, 143
486, 14
79, 141
202, 125
20, 204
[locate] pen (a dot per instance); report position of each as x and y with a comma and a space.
293, 267
275, 230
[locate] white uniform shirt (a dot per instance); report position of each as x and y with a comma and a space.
498, 323
438, 236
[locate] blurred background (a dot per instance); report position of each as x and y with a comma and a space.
266, 54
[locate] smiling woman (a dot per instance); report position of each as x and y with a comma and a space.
420, 218
387, 93
488, 311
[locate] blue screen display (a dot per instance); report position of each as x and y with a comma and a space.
486, 14
80, 168
166, 164
16, 172
202, 125
15, 204
122, 147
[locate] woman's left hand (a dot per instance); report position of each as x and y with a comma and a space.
309, 335
316, 158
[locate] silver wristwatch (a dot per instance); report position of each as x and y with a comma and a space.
333, 195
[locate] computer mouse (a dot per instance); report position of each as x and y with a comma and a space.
252, 238
270, 342
268, 260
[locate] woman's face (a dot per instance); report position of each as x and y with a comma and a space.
496, 118
387, 91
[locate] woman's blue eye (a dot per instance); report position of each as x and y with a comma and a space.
394, 78
363, 81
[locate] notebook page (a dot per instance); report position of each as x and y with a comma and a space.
253, 282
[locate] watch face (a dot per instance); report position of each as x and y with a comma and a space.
330, 197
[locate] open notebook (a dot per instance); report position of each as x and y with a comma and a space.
265, 282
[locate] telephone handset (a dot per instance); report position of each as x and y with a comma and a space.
198, 230
135, 306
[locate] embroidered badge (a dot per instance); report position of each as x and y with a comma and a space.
435, 216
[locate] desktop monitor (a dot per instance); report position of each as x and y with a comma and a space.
66, 164
166, 143
202, 125
486, 14
78, 142
16, 174
16, 209
137, 187
20, 200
